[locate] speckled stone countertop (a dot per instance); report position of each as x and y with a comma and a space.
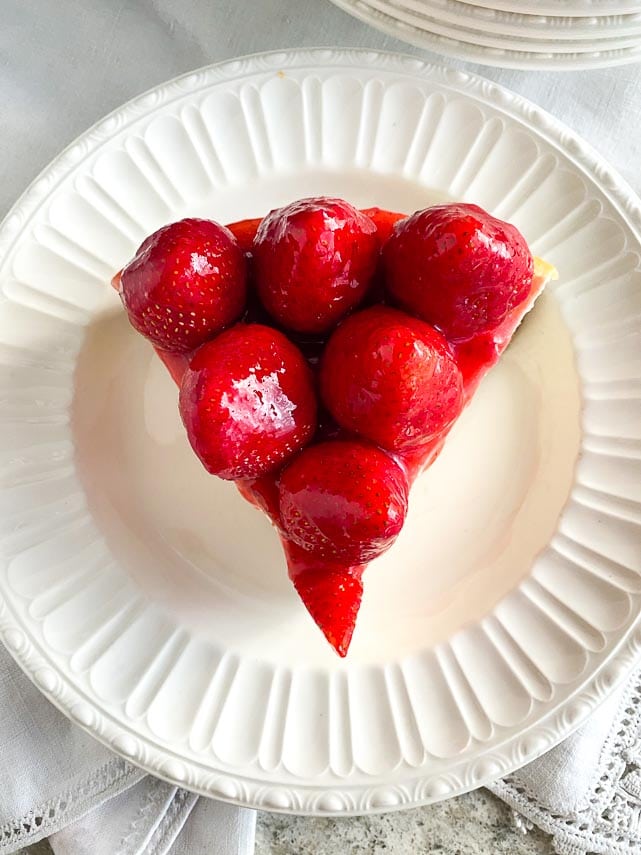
474, 824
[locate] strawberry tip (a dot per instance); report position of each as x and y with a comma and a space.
333, 599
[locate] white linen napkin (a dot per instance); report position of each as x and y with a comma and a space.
586, 792
155, 818
62, 67
56, 780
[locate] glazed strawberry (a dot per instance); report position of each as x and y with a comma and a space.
186, 283
314, 261
343, 499
391, 378
247, 401
332, 596
458, 268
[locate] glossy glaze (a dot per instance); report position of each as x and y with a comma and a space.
247, 401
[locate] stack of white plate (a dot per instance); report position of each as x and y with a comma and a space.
552, 34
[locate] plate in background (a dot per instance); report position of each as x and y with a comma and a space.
518, 24
563, 7
525, 42
491, 48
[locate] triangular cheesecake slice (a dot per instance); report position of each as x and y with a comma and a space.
352, 342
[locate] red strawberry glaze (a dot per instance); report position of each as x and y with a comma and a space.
382, 219
262, 493
175, 363
245, 231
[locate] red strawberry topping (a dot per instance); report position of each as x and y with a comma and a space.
247, 401
333, 599
186, 282
245, 231
383, 220
262, 492
343, 499
335, 483
314, 261
390, 378
458, 268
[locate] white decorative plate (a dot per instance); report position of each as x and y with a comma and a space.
563, 8
433, 22
151, 604
546, 28
430, 30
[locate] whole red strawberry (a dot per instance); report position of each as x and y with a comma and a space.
458, 268
314, 260
186, 283
343, 500
247, 401
391, 378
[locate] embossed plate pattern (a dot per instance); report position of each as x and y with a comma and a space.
535, 25
530, 26
150, 603
562, 7
503, 36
